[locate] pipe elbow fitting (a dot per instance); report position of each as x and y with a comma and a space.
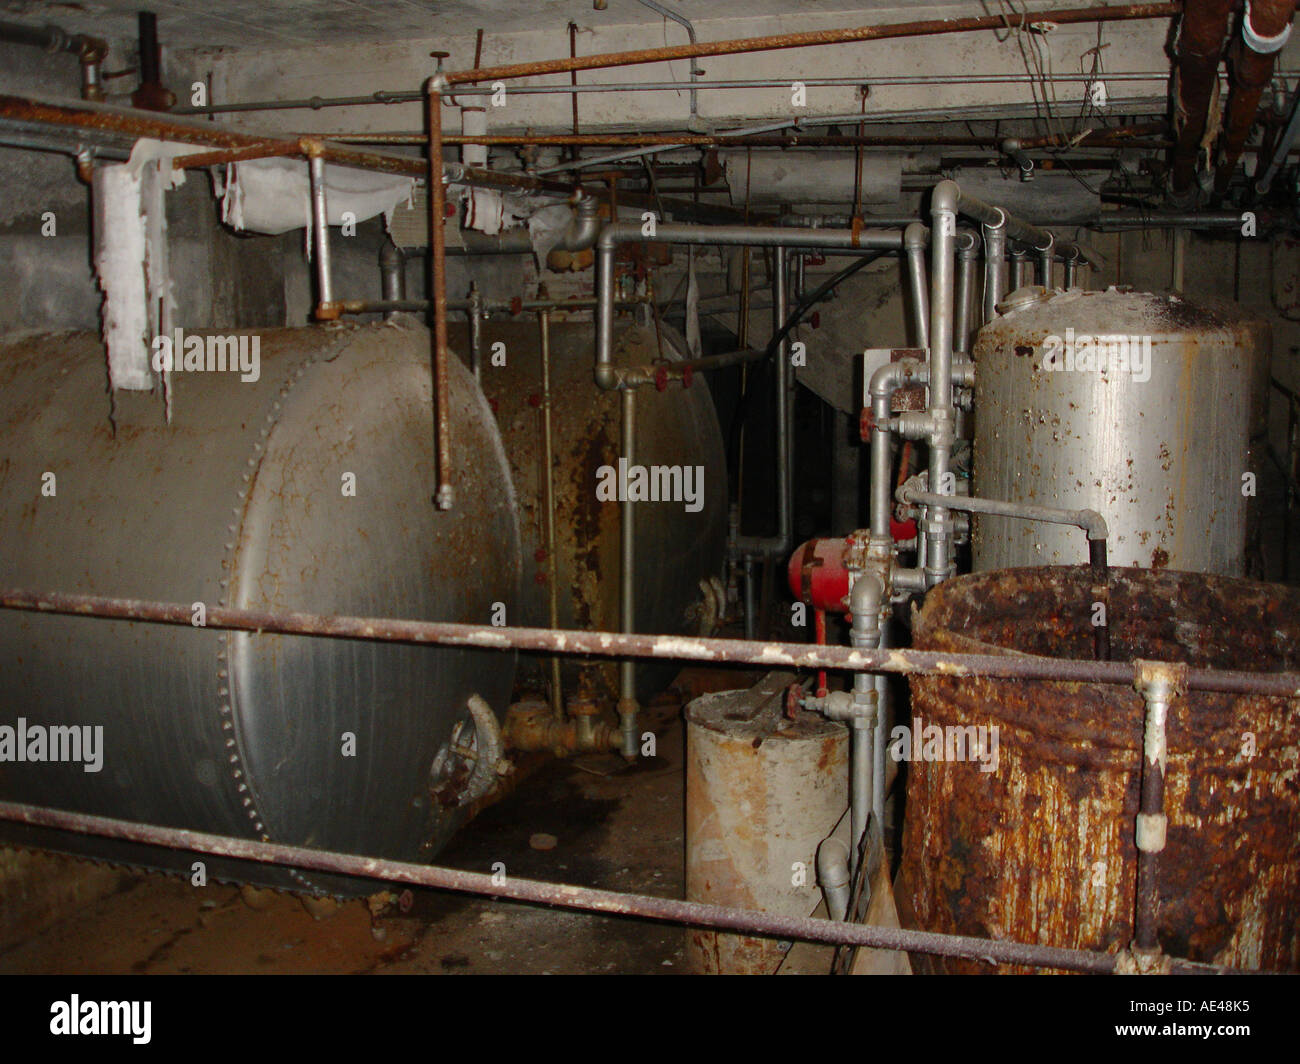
606, 377
864, 603
1094, 524
916, 236
945, 198
585, 227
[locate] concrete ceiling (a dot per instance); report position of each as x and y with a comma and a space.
184, 24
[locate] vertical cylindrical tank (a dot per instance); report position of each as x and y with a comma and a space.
302, 483
1037, 844
761, 793
1139, 406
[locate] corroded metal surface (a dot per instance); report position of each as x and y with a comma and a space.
888, 31
761, 794
568, 896
675, 549
1284, 685
1043, 848
241, 504
1161, 458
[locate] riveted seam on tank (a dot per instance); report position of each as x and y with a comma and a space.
240, 512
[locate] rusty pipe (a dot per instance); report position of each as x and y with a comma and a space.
1265, 29
1200, 48
1158, 683
776, 42
444, 496
770, 655
584, 899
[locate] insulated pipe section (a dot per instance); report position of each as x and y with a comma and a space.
1200, 48
1265, 29
916, 238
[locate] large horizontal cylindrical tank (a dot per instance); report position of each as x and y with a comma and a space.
309, 488
678, 544
1141, 407
1034, 840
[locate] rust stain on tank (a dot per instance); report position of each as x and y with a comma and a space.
1042, 850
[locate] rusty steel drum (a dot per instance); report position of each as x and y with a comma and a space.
1042, 850
675, 549
242, 501
761, 794
1157, 441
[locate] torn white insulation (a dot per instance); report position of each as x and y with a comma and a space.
130, 220
119, 263
273, 196
692, 307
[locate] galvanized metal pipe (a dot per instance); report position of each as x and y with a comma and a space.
916, 238
320, 230
627, 703
968, 253
392, 276
445, 495
91, 51
476, 331
1045, 265
942, 435
615, 233
586, 899
681, 20
1093, 523
548, 500
770, 655
995, 253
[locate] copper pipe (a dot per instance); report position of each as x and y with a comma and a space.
1200, 47
776, 42
438, 294
1252, 71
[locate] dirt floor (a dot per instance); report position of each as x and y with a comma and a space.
612, 826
